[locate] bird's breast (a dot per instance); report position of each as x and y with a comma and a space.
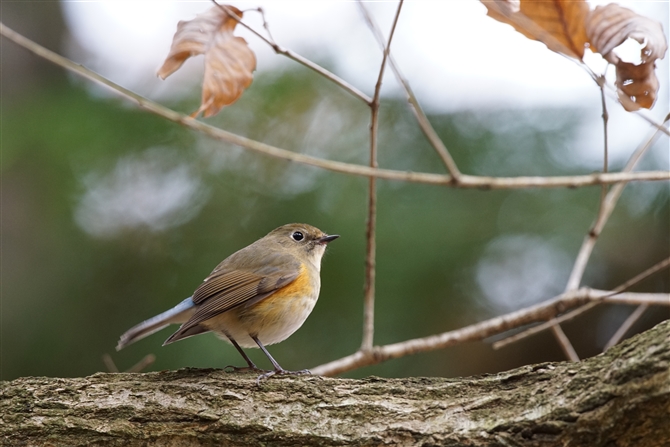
276, 317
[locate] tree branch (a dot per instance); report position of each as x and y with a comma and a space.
580, 310
465, 181
422, 119
618, 398
538, 313
564, 341
371, 249
625, 327
608, 201
604, 213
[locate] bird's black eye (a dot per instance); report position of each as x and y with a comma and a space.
297, 236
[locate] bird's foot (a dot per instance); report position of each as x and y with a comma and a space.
281, 372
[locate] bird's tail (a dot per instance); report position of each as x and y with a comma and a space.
178, 314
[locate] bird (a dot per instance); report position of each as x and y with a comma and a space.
257, 296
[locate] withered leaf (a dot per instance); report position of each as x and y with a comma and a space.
608, 27
229, 62
637, 85
559, 24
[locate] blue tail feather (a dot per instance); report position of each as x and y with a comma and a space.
178, 314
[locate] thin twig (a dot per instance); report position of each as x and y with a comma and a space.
604, 214
637, 313
422, 119
642, 276
605, 116
558, 332
142, 364
109, 363
625, 327
564, 342
466, 181
138, 367
494, 326
369, 287
580, 310
296, 57
546, 325
633, 298
266, 25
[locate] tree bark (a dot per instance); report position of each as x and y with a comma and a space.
619, 398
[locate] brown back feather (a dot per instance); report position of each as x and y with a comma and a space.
226, 289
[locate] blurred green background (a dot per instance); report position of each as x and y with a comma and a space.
111, 215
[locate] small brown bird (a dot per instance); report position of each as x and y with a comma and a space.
257, 296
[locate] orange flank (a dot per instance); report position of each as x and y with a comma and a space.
294, 299
274, 318
301, 286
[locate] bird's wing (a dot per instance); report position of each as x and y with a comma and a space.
227, 288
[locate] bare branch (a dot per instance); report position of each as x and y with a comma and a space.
138, 367
109, 363
370, 271
564, 342
637, 313
494, 326
625, 327
554, 324
652, 299
146, 361
466, 181
580, 310
541, 327
642, 276
603, 215
576, 181
422, 119
605, 116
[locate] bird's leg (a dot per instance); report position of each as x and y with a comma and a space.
250, 365
278, 369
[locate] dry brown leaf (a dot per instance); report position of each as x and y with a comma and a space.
608, 27
637, 85
229, 62
559, 24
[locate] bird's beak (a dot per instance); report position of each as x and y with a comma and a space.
327, 238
